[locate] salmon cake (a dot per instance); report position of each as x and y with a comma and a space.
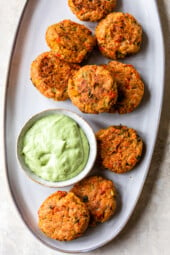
91, 10
99, 194
71, 41
50, 75
63, 216
93, 89
119, 148
130, 87
118, 35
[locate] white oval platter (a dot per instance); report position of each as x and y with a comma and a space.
22, 100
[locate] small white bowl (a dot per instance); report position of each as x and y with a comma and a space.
92, 148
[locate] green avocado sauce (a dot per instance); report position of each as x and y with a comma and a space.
55, 148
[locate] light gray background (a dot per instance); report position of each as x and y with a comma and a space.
148, 231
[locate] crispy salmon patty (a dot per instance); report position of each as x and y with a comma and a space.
93, 89
71, 41
118, 35
129, 84
119, 148
99, 194
91, 10
50, 75
63, 216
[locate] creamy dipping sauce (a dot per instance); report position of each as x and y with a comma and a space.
55, 148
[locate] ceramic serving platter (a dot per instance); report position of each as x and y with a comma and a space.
22, 101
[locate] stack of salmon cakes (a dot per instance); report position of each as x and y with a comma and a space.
70, 43
115, 87
65, 216
60, 75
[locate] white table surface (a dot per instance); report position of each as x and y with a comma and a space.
148, 230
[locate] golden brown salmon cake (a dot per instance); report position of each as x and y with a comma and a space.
63, 216
50, 75
130, 87
71, 41
91, 10
93, 89
118, 35
99, 194
119, 147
